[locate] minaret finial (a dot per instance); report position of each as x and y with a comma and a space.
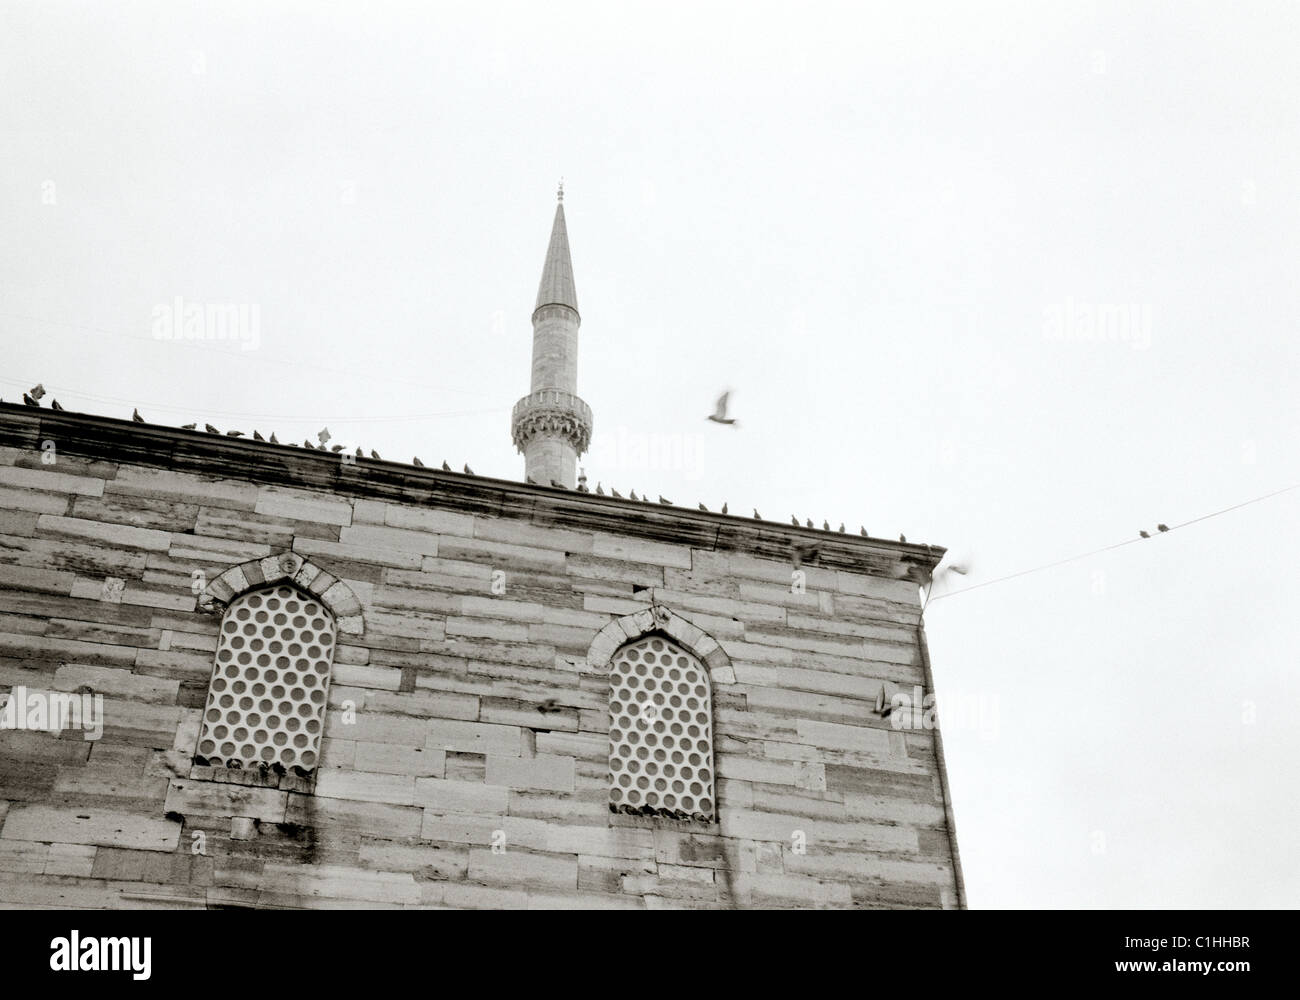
559, 195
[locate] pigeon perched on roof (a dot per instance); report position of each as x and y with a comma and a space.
468, 470
273, 439
794, 520
28, 401
308, 444
702, 507
841, 527
445, 466
360, 453
663, 501
826, 525
375, 455
210, 429
599, 491
415, 460
719, 414
902, 538
809, 524
257, 435
1162, 527
634, 496
757, 515
336, 448
234, 434
54, 405
863, 532
558, 485
189, 427
533, 481
615, 493
135, 416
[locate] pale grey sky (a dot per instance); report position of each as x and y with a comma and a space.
885, 227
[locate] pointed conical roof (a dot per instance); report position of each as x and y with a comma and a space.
557, 286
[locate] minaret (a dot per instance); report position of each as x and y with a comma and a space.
551, 425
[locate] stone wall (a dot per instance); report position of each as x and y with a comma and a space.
465, 753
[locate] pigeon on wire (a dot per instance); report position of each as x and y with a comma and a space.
1162, 527
135, 416
719, 414
1144, 534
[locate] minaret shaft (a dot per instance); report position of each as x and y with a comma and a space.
551, 425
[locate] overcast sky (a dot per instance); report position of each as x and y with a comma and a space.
1015, 279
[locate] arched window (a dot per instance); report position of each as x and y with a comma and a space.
660, 731
270, 682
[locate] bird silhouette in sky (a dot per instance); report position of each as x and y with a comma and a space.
719, 414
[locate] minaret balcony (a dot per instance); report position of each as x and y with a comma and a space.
553, 412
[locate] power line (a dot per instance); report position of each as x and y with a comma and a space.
1116, 545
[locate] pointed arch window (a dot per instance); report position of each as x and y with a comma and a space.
661, 731
270, 683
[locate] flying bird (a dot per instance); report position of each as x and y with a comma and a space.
54, 405
719, 414
1144, 534
135, 416
468, 470
1162, 527
415, 460
210, 429
38, 391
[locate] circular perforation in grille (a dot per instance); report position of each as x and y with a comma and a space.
660, 731
270, 682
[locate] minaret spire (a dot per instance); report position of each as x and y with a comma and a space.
552, 425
